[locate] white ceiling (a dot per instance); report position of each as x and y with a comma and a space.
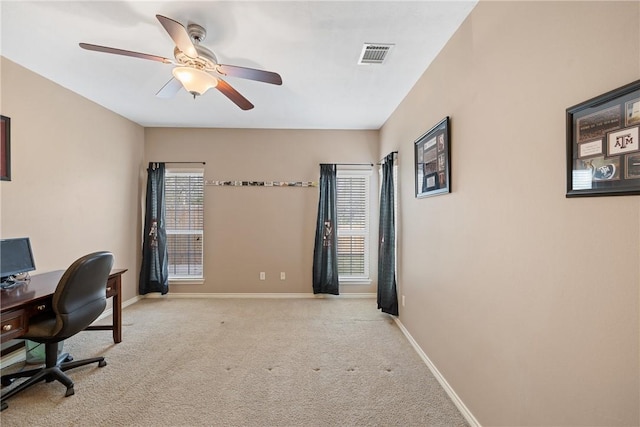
313, 45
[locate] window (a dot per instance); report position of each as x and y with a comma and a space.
184, 207
352, 201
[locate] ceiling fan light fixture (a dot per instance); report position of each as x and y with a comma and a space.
195, 81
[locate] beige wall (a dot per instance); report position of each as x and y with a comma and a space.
254, 229
75, 169
526, 301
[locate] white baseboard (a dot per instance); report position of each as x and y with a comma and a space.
126, 303
466, 413
258, 295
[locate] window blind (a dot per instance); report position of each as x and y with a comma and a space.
184, 208
352, 202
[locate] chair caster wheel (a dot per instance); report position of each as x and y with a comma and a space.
70, 392
102, 363
6, 382
4, 406
69, 358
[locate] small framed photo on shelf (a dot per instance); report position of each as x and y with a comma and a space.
432, 161
5, 148
603, 144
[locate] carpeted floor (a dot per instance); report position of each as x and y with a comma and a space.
244, 362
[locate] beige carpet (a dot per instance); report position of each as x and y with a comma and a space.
244, 362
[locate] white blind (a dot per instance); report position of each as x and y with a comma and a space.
184, 209
352, 193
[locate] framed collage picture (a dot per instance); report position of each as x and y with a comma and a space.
603, 144
432, 165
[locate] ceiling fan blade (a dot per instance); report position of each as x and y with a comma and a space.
170, 88
250, 73
234, 95
179, 35
125, 53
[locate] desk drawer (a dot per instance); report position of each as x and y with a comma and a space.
13, 324
39, 308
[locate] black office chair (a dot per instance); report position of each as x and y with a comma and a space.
79, 299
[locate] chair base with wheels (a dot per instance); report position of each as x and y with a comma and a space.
54, 369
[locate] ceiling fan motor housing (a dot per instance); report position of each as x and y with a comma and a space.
206, 59
197, 33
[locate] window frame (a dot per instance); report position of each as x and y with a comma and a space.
186, 279
347, 172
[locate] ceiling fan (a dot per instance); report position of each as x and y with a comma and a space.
197, 68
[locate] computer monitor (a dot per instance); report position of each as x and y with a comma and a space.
15, 257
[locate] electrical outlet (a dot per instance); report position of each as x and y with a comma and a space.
263, 276
282, 275
403, 300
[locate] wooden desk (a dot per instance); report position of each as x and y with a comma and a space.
19, 304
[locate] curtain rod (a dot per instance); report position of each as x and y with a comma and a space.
382, 160
202, 163
348, 164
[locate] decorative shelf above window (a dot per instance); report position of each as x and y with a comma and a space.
261, 183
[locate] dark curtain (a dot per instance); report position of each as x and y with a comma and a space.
154, 272
387, 293
325, 252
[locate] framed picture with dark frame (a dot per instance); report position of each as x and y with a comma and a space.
5, 148
603, 144
432, 164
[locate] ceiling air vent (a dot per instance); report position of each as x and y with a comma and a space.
374, 53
